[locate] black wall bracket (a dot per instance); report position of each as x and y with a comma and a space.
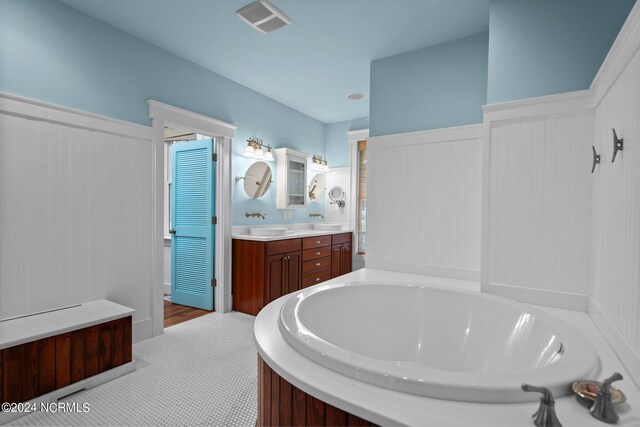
596, 159
617, 145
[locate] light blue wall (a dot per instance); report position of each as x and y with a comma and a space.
435, 87
541, 47
338, 149
54, 53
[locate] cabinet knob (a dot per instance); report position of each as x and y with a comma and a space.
317, 242
317, 264
317, 253
317, 279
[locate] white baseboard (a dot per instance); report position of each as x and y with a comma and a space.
425, 270
568, 301
142, 329
87, 383
625, 352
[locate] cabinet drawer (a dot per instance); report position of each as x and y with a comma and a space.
316, 264
316, 253
315, 242
341, 238
283, 246
315, 277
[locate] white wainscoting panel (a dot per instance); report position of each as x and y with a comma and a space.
342, 178
539, 202
616, 206
424, 192
75, 206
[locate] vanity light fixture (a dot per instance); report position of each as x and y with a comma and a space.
255, 149
319, 164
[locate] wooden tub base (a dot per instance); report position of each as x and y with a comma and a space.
282, 404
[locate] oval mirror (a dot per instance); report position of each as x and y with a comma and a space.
317, 186
257, 180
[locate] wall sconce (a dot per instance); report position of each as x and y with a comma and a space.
319, 164
255, 149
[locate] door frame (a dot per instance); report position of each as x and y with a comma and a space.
354, 136
162, 115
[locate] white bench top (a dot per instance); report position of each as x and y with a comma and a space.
20, 330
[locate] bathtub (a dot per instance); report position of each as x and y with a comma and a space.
436, 342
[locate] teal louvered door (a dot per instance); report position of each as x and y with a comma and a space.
192, 224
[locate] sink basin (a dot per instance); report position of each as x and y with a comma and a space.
268, 231
327, 226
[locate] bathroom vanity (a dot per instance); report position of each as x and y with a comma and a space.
265, 268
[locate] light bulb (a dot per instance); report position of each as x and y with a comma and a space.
268, 155
258, 154
249, 151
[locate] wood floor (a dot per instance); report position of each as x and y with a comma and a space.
176, 313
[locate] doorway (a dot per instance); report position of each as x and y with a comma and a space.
164, 115
189, 246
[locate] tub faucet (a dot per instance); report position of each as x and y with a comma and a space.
255, 214
602, 409
545, 416
316, 215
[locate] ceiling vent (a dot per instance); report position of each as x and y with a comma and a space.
263, 16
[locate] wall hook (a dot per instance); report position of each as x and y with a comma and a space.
596, 159
617, 145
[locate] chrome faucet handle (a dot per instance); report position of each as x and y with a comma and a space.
545, 416
602, 409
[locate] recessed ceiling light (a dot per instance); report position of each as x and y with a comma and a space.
355, 96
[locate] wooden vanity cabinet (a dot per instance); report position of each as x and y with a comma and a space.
283, 275
316, 260
264, 271
341, 255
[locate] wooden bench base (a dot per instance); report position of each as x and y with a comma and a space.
282, 404
39, 367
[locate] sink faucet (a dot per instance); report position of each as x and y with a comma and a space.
545, 416
316, 215
602, 409
255, 214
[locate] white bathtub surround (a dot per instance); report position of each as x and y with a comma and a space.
424, 202
389, 407
198, 373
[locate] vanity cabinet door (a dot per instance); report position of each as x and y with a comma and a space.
345, 259
275, 278
292, 271
283, 275
340, 259
336, 260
